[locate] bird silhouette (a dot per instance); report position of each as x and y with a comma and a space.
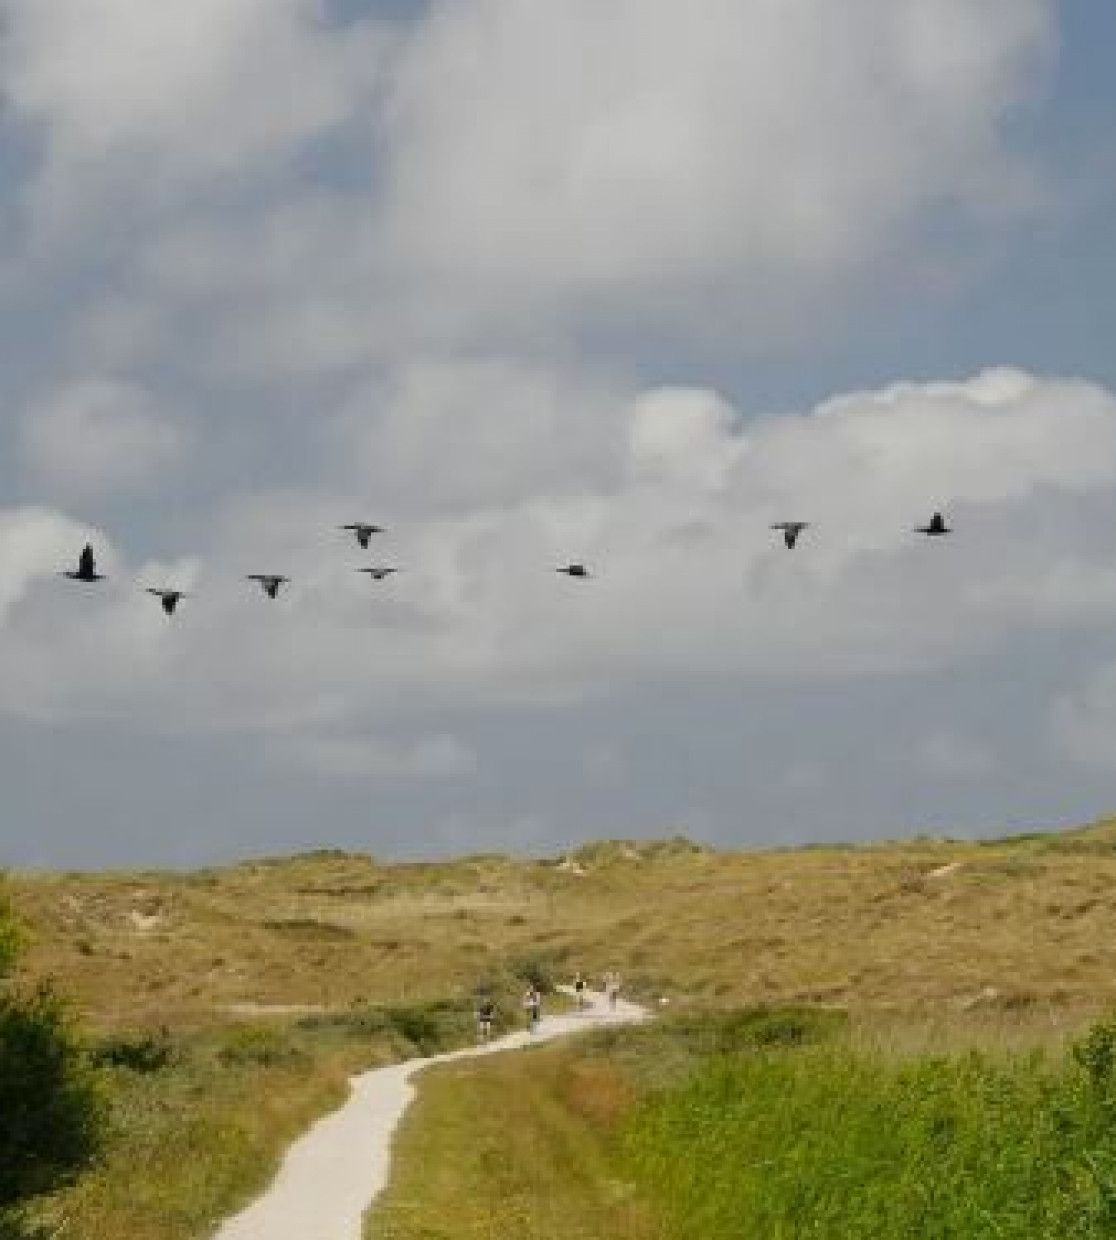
87, 567
363, 531
269, 582
574, 570
791, 531
379, 571
935, 528
168, 598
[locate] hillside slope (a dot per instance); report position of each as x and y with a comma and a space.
1017, 926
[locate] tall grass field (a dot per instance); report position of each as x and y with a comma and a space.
761, 1125
836, 1143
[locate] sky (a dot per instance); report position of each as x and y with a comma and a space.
610, 281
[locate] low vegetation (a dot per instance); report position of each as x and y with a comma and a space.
497, 1148
766, 1124
198, 1123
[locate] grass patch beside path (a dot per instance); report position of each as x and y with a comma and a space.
518, 1145
765, 1125
199, 1124
530, 1145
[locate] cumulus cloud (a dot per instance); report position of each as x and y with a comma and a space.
464, 434
176, 93
536, 173
642, 153
689, 583
99, 435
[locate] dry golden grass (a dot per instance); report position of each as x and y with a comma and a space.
1013, 932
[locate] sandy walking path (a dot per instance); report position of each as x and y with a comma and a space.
333, 1173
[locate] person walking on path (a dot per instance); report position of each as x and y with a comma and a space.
486, 1010
579, 991
612, 987
532, 1002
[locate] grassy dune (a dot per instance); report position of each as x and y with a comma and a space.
1016, 928
927, 945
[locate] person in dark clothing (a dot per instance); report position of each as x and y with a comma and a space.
532, 1003
486, 1012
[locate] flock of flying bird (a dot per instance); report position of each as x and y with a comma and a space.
271, 583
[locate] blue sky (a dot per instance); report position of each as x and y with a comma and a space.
528, 284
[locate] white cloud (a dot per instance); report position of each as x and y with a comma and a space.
660, 156
582, 172
155, 94
98, 435
689, 583
465, 434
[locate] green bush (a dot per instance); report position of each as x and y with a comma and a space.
50, 1106
1096, 1056
263, 1045
538, 969
9, 937
50, 1109
144, 1054
425, 1028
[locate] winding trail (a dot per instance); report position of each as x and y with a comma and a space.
335, 1171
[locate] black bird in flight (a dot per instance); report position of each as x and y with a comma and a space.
87, 567
791, 531
574, 570
378, 572
936, 528
269, 582
168, 598
363, 531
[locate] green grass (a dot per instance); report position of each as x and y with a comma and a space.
766, 1125
529, 1145
832, 1142
504, 1147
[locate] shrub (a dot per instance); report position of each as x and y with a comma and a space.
258, 1044
51, 1107
9, 936
144, 1054
1096, 1056
537, 969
